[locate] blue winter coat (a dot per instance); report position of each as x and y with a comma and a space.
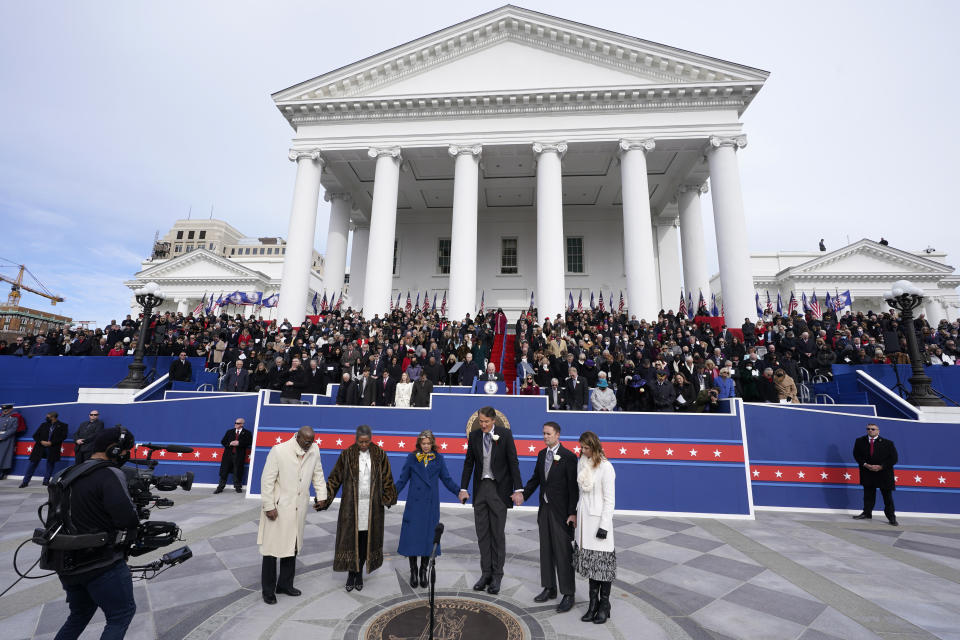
422, 513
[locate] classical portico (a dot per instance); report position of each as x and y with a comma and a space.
514, 154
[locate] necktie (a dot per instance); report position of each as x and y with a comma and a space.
487, 444
547, 462
871, 445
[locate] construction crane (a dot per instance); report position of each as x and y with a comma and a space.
17, 285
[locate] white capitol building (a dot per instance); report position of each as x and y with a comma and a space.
514, 154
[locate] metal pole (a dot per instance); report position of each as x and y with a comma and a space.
920, 394
135, 378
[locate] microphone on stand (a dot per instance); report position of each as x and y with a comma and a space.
437, 533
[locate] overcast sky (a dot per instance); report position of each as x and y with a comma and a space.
118, 117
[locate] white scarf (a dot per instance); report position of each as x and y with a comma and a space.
585, 474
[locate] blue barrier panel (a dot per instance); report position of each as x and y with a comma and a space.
47, 379
804, 458
196, 423
675, 463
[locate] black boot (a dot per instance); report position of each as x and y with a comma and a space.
603, 608
220, 487
594, 601
424, 565
414, 580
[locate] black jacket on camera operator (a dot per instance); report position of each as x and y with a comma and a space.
99, 501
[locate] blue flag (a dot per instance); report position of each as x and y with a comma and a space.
714, 311
314, 304
779, 304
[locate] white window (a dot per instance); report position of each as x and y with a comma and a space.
575, 254
508, 255
443, 256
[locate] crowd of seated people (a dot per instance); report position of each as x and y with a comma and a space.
606, 361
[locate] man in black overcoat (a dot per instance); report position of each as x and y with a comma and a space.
86, 433
556, 476
180, 369
575, 391
876, 458
348, 393
47, 440
491, 460
422, 388
236, 444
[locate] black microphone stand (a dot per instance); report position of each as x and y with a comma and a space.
433, 571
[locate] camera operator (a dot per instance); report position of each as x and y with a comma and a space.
99, 501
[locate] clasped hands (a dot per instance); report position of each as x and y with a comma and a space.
517, 497
873, 467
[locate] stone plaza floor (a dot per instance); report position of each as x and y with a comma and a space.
781, 576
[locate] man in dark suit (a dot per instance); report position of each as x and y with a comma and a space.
181, 369
468, 371
422, 388
236, 444
876, 457
86, 433
348, 393
575, 391
293, 383
237, 378
492, 374
386, 390
492, 461
366, 389
316, 378
556, 398
556, 476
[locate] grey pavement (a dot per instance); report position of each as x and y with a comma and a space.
782, 576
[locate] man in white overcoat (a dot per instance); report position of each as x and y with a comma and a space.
290, 469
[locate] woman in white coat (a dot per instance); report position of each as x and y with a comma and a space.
594, 557
404, 391
290, 469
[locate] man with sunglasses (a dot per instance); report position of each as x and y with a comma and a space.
86, 433
236, 445
876, 457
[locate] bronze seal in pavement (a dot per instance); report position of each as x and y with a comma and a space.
454, 619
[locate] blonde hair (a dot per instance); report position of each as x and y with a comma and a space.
597, 454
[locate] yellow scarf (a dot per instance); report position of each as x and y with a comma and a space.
425, 457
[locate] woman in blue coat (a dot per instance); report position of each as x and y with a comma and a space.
424, 470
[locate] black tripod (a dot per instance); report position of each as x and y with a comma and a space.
433, 571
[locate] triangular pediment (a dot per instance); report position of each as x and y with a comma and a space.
511, 49
199, 263
870, 257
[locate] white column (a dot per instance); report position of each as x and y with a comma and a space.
692, 248
336, 259
378, 283
733, 250
182, 306
358, 264
639, 263
550, 245
463, 232
295, 282
934, 310
668, 259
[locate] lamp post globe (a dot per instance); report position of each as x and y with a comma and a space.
904, 296
149, 296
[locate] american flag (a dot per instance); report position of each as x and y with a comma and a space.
702, 304
815, 307
480, 312
199, 307
792, 304
339, 300
443, 304
426, 302
408, 307
580, 301
682, 309
324, 305
769, 304
600, 305
620, 307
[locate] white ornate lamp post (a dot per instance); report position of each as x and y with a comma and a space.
148, 297
904, 296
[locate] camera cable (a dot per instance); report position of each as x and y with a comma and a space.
26, 574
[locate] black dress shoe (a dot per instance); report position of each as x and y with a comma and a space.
238, 489
546, 594
893, 523
46, 482
290, 591
358, 585
269, 598
863, 516
566, 603
219, 489
482, 583
351, 581
23, 484
494, 587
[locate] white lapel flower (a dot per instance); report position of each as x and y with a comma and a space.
494, 436
556, 457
